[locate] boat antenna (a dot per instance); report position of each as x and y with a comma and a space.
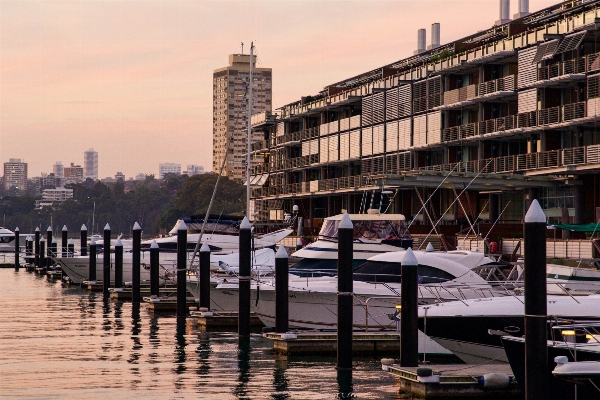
249, 144
450, 206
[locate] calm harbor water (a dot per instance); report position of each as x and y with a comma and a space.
65, 342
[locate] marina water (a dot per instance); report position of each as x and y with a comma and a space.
58, 341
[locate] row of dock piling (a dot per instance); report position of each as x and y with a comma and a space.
535, 305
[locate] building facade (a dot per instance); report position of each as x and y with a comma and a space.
90, 164
168, 168
46, 181
73, 174
479, 127
230, 111
193, 169
15, 174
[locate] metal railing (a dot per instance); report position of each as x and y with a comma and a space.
577, 65
506, 84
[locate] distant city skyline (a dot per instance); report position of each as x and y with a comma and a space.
133, 80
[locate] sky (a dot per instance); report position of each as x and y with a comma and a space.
133, 79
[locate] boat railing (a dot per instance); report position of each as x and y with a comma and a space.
581, 334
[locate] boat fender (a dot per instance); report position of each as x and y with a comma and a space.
206, 314
426, 375
386, 362
494, 380
424, 372
559, 360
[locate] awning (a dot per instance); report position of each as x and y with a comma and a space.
591, 227
545, 51
571, 42
258, 180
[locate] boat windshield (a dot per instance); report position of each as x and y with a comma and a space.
367, 229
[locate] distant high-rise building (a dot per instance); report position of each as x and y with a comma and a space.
193, 169
15, 174
168, 168
230, 111
58, 169
90, 164
46, 180
73, 174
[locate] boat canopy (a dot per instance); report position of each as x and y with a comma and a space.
591, 227
368, 226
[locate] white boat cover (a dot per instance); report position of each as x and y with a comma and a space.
263, 259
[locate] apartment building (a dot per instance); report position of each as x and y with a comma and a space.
15, 174
494, 119
230, 111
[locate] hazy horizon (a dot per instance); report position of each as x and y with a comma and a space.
133, 79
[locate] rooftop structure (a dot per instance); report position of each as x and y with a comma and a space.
508, 114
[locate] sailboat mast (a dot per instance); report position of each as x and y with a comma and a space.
249, 132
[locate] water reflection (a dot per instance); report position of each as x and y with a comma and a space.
280, 380
118, 308
203, 351
136, 327
243, 353
180, 356
344, 380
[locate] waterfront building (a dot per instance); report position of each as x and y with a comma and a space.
90, 164
510, 113
193, 169
168, 168
15, 174
230, 111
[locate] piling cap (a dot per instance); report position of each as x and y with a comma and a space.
49, 229
205, 248
107, 227
429, 247
409, 258
346, 222
137, 227
37, 229
42, 239
93, 242
71, 241
245, 224
17, 229
83, 227
535, 213
118, 242
181, 226
154, 245
281, 252
65, 228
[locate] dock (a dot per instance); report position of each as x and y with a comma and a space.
311, 343
223, 321
454, 381
126, 293
166, 304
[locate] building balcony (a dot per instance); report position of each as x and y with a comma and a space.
558, 117
294, 138
486, 91
564, 72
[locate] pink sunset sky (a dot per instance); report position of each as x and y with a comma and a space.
133, 79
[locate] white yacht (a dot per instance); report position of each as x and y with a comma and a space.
313, 301
471, 329
7, 240
373, 234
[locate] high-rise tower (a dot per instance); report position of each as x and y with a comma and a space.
230, 111
90, 164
